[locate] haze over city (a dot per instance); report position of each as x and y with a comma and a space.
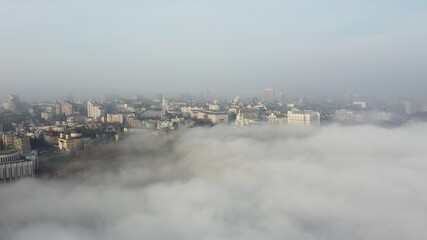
213, 120
229, 47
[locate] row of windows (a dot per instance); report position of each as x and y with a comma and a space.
9, 158
16, 170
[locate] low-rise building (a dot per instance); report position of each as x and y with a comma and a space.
72, 142
22, 143
135, 123
46, 115
115, 118
359, 104
303, 117
214, 117
15, 165
51, 137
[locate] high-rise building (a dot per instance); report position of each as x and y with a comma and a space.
408, 107
67, 108
94, 110
165, 106
13, 103
57, 111
268, 95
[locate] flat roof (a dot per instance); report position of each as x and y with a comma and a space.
8, 152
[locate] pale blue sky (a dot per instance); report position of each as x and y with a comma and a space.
229, 47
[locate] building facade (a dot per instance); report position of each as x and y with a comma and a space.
268, 95
115, 118
212, 116
304, 117
67, 108
94, 110
15, 165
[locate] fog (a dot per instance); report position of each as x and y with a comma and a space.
264, 182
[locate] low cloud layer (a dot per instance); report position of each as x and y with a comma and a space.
360, 182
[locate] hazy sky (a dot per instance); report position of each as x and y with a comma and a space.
269, 183
229, 47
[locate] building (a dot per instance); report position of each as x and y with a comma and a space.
94, 110
138, 98
57, 110
268, 95
344, 115
67, 108
115, 118
22, 143
75, 120
214, 106
46, 115
274, 119
383, 116
304, 117
359, 104
51, 137
13, 103
15, 165
72, 142
152, 113
165, 106
135, 123
187, 110
214, 117
250, 115
8, 140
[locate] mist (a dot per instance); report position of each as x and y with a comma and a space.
263, 182
302, 48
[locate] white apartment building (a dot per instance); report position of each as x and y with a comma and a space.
94, 110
